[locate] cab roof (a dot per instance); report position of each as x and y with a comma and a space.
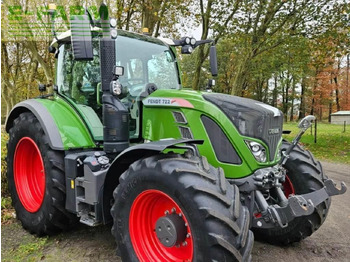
66, 37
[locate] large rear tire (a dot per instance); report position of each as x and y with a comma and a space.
304, 175
36, 178
211, 224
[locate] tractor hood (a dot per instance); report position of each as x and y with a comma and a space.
251, 118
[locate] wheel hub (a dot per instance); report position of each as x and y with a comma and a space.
153, 210
171, 230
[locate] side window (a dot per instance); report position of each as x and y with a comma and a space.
79, 80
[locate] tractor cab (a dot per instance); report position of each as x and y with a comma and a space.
148, 64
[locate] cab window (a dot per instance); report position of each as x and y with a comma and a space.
79, 80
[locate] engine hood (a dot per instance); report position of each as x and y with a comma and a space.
251, 118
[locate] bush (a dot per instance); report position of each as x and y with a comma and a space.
4, 185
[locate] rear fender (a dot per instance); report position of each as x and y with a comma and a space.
44, 117
122, 162
61, 123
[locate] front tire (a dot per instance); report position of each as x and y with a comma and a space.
304, 175
167, 190
36, 178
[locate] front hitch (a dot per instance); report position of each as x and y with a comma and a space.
297, 206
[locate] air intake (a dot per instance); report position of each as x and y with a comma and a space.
179, 117
185, 132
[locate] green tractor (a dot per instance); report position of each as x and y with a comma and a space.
182, 175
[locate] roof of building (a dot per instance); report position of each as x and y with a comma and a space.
341, 113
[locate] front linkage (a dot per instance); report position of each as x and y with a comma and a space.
267, 184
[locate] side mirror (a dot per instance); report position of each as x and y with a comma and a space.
306, 122
81, 37
213, 61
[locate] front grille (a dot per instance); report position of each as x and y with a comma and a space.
272, 139
251, 118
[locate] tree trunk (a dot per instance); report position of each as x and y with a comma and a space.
240, 79
274, 94
266, 92
285, 104
312, 111
200, 54
198, 68
292, 107
6, 98
347, 93
45, 66
302, 100
330, 105
337, 93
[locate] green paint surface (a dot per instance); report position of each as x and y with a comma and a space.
159, 123
74, 132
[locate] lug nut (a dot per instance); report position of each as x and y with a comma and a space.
166, 212
184, 244
173, 210
180, 215
188, 235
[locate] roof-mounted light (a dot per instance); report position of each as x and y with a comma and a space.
113, 22
193, 41
188, 44
186, 49
52, 8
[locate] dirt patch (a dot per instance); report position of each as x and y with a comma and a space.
81, 244
329, 243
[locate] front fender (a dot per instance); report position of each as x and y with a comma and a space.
122, 162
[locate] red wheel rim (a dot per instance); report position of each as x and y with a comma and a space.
288, 187
29, 174
147, 208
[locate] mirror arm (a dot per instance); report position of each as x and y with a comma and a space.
304, 125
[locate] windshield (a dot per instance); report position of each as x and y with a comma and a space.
145, 63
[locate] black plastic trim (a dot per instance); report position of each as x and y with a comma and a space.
224, 150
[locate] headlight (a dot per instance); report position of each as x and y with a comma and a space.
257, 150
116, 88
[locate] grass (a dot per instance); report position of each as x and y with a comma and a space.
332, 143
31, 251
7, 211
30, 247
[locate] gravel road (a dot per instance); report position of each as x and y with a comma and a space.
330, 243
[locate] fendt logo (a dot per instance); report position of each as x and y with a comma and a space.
274, 131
